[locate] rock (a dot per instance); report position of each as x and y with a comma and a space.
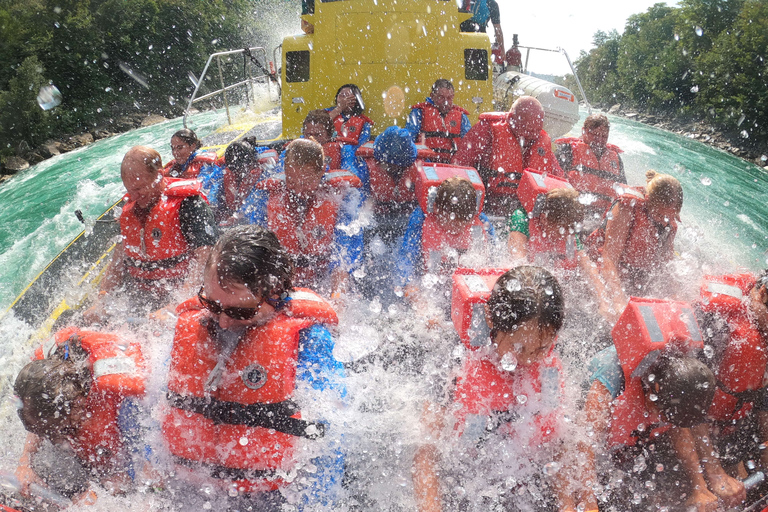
152, 119
14, 164
82, 139
101, 133
35, 158
124, 123
23, 148
615, 109
49, 149
631, 115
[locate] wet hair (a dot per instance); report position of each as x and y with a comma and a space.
562, 207
240, 156
457, 199
189, 137
524, 293
683, 386
595, 121
357, 109
150, 156
321, 117
441, 83
663, 190
305, 152
48, 387
252, 256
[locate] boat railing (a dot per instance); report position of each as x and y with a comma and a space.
253, 72
570, 64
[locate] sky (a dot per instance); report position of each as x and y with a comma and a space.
567, 24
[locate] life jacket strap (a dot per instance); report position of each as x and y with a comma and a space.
275, 416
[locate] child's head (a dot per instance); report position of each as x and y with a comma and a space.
318, 126
455, 204
758, 302
304, 167
525, 311
665, 197
53, 390
240, 158
562, 209
682, 388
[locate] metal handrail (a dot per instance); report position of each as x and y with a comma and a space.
573, 70
247, 82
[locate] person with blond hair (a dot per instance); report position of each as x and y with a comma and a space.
638, 236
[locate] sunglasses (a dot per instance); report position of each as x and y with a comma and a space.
233, 313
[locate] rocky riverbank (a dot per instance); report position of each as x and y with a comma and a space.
26, 155
752, 151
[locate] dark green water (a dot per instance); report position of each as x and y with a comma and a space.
724, 210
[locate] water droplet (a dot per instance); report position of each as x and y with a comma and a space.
659, 468
521, 399
581, 507
243, 441
706, 181
548, 290
709, 351
699, 31
653, 397
695, 88
651, 377
650, 485
207, 505
677, 37
513, 285
550, 468
49, 97
509, 363
744, 134
454, 200
389, 35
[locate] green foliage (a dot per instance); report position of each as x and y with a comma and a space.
705, 58
21, 118
94, 50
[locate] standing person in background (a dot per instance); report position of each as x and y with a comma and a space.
503, 144
438, 121
592, 165
484, 11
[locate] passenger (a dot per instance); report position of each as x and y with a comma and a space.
83, 400
245, 349
482, 12
548, 235
734, 306
434, 241
315, 216
437, 122
319, 126
351, 127
388, 176
592, 165
167, 230
647, 407
638, 237
189, 162
240, 177
501, 424
501, 145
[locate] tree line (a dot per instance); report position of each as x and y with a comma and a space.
704, 59
109, 57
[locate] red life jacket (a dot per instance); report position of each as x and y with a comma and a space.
508, 155
348, 131
440, 131
471, 289
260, 372
744, 360
119, 371
332, 155
308, 240
488, 400
383, 186
157, 249
532, 192
644, 330
588, 174
646, 246
174, 170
